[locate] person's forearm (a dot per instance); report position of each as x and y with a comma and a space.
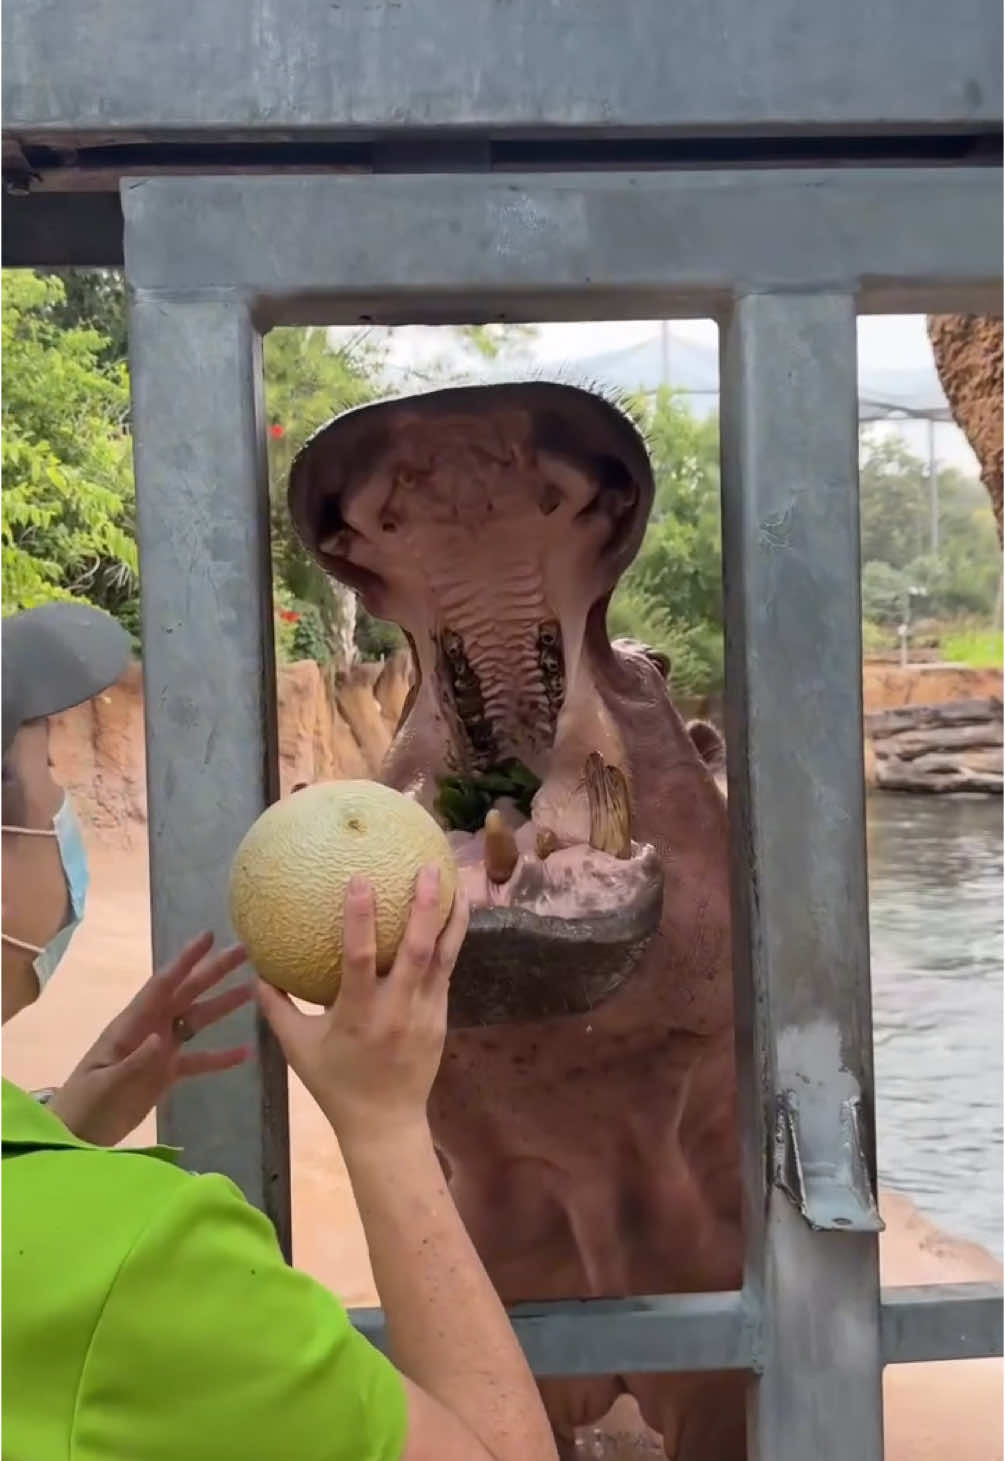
448, 1330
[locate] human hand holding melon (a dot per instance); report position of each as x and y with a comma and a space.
322, 896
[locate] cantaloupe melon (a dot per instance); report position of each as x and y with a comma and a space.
289, 877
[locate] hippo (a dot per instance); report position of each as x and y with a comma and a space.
585, 1109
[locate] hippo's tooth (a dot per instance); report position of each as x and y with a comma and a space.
546, 843
610, 807
500, 849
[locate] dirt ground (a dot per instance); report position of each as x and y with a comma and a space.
933, 1412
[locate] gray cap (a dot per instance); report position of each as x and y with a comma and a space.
57, 656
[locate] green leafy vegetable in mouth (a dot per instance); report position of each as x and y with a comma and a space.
463, 802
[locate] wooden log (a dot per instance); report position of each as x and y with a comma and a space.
915, 717
983, 760
907, 745
904, 776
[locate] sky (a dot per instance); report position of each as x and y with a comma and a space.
885, 342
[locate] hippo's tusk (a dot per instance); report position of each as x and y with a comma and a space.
500, 849
610, 807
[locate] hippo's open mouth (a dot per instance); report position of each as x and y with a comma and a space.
492, 524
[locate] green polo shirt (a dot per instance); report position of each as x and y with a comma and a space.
148, 1315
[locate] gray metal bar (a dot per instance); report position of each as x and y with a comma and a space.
541, 246
800, 935
605, 1336
244, 67
693, 1332
209, 686
961, 1321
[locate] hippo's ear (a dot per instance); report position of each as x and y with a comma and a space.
708, 743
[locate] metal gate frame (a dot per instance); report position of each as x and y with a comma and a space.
784, 261
783, 258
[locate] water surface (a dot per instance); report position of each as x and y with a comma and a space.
935, 881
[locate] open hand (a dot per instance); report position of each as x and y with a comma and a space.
142, 1052
370, 1060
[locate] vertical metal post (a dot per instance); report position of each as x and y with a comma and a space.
801, 944
209, 685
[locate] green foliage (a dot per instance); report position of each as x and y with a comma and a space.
494, 342
895, 511
93, 299
464, 802
67, 507
376, 638
306, 384
695, 651
309, 636
982, 648
883, 593
671, 596
877, 639
285, 614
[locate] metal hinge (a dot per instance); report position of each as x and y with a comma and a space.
832, 1188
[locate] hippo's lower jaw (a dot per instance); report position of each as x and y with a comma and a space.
518, 965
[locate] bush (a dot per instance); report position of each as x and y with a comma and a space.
376, 638
877, 638
68, 511
883, 593
695, 652
671, 596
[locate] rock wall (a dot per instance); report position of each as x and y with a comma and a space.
968, 358
888, 686
325, 731
888, 689
939, 748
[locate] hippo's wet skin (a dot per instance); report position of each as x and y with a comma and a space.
585, 1108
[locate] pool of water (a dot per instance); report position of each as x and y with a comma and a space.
935, 884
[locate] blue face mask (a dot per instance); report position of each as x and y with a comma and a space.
73, 855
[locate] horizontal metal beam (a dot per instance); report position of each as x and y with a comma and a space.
959, 1321
695, 1332
457, 249
687, 1332
239, 68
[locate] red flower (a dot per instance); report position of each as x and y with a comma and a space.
276, 431
289, 616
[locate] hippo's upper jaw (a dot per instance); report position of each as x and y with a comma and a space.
489, 522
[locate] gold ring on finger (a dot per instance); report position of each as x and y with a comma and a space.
182, 1030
